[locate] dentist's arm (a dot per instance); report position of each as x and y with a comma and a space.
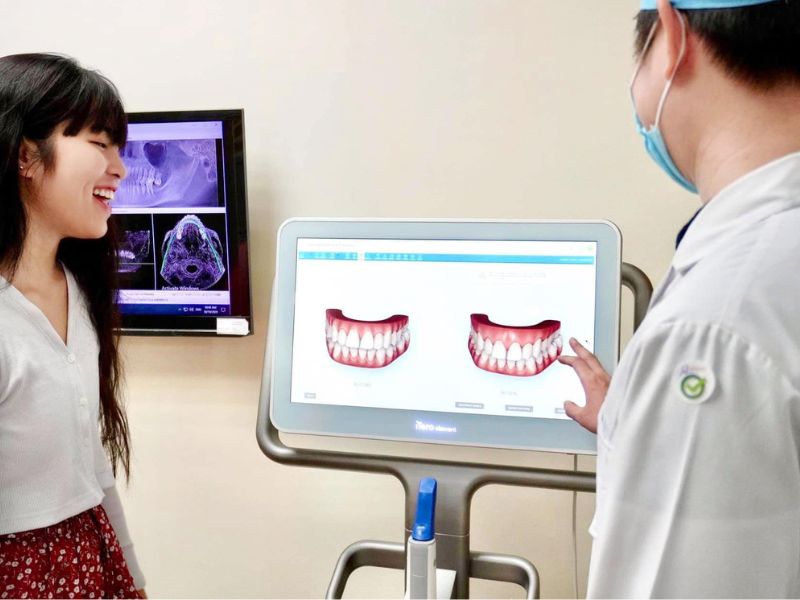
594, 380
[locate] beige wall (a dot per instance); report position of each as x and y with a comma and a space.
439, 108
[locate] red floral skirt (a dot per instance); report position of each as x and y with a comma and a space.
77, 558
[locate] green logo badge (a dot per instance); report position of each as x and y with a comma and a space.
693, 386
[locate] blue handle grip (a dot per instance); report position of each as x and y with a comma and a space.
424, 530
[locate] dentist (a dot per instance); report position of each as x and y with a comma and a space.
698, 471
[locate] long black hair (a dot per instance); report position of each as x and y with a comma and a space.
38, 92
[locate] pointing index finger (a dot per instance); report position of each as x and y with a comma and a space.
589, 358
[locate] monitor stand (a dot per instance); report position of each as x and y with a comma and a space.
457, 483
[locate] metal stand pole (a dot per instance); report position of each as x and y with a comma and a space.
458, 482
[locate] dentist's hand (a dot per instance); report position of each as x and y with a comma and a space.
594, 380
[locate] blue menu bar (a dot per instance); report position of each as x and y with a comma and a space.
482, 258
328, 255
452, 258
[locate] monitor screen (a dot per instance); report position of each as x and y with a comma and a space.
440, 325
440, 331
181, 217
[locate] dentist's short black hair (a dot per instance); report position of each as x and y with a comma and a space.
758, 45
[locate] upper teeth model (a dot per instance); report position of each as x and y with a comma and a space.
522, 351
369, 344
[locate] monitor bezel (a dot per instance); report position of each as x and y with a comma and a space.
399, 425
233, 141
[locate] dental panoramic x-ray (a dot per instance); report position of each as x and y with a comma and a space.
169, 173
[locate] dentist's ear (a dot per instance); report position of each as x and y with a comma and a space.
678, 39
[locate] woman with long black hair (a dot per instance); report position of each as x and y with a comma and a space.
63, 431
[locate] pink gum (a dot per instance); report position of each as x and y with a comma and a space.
394, 323
509, 334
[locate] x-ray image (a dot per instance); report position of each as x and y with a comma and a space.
192, 254
134, 250
169, 173
136, 268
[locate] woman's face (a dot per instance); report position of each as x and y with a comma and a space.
72, 199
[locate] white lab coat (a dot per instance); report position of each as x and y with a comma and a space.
698, 480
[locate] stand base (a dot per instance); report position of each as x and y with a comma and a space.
390, 555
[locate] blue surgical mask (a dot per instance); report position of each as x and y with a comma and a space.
653, 139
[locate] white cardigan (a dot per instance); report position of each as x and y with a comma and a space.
52, 462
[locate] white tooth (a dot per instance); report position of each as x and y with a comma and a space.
499, 351
559, 341
407, 334
337, 351
380, 356
390, 352
394, 338
527, 351
341, 337
352, 338
501, 363
479, 345
362, 354
371, 354
520, 365
492, 362
537, 348
387, 339
328, 331
514, 352
483, 360
539, 361
487, 347
530, 363
345, 352
366, 341
377, 343
552, 351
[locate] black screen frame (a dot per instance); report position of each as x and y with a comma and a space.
235, 182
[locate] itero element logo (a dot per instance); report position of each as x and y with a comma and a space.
695, 382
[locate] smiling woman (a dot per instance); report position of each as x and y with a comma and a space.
63, 430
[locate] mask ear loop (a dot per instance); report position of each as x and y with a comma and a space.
674, 71
667, 87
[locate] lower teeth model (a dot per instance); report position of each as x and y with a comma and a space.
367, 344
521, 351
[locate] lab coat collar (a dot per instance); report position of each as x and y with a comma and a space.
770, 189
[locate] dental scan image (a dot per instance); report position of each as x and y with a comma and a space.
173, 223
519, 351
134, 250
169, 173
369, 344
488, 318
192, 255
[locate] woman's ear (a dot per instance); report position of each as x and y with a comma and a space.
28, 157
